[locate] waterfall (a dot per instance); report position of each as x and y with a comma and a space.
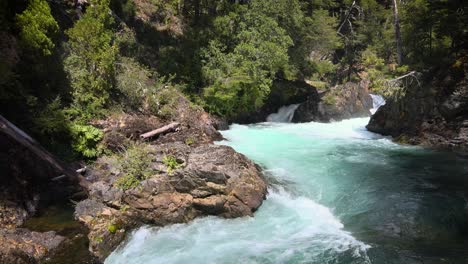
284, 115
377, 101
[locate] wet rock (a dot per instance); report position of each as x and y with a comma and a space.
345, 101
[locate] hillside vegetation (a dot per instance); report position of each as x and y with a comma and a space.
66, 63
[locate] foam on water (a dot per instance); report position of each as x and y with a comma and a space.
377, 102
285, 229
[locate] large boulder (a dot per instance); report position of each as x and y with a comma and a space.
211, 180
432, 111
345, 101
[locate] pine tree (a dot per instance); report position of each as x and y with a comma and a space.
92, 57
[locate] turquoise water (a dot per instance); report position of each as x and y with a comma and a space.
338, 194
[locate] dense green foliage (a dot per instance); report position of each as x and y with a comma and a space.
62, 67
37, 27
240, 64
90, 64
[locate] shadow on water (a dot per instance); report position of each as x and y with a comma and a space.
59, 218
414, 207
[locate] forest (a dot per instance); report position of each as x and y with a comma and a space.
67, 63
233, 131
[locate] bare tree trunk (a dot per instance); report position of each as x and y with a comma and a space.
397, 32
346, 18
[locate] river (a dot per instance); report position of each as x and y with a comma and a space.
338, 194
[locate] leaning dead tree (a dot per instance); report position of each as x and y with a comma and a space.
397, 87
348, 17
23, 139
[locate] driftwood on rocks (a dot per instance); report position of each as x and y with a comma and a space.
80, 171
29, 143
397, 87
163, 130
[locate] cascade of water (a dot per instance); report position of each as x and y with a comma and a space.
284, 115
377, 101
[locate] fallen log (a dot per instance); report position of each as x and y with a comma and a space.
29, 143
80, 171
163, 130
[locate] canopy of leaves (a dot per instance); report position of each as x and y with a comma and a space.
240, 65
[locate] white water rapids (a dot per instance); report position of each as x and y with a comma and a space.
377, 101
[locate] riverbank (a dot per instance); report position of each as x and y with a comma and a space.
167, 178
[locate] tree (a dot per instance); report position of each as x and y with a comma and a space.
240, 65
90, 64
397, 32
37, 26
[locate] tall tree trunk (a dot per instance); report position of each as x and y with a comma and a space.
197, 11
397, 32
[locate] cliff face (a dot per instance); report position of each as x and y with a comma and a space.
340, 102
433, 112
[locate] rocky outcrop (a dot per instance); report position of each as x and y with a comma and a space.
345, 101
199, 179
23, 246
432, 112
212, 180
187, 176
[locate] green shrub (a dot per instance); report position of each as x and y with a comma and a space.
319, 85
329, 99
133, 81
135, 165
146, 91
126, 182
166, 101
190, 141
52, 120
85, 140
112, 228
371, 60
37, 26
171, 163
